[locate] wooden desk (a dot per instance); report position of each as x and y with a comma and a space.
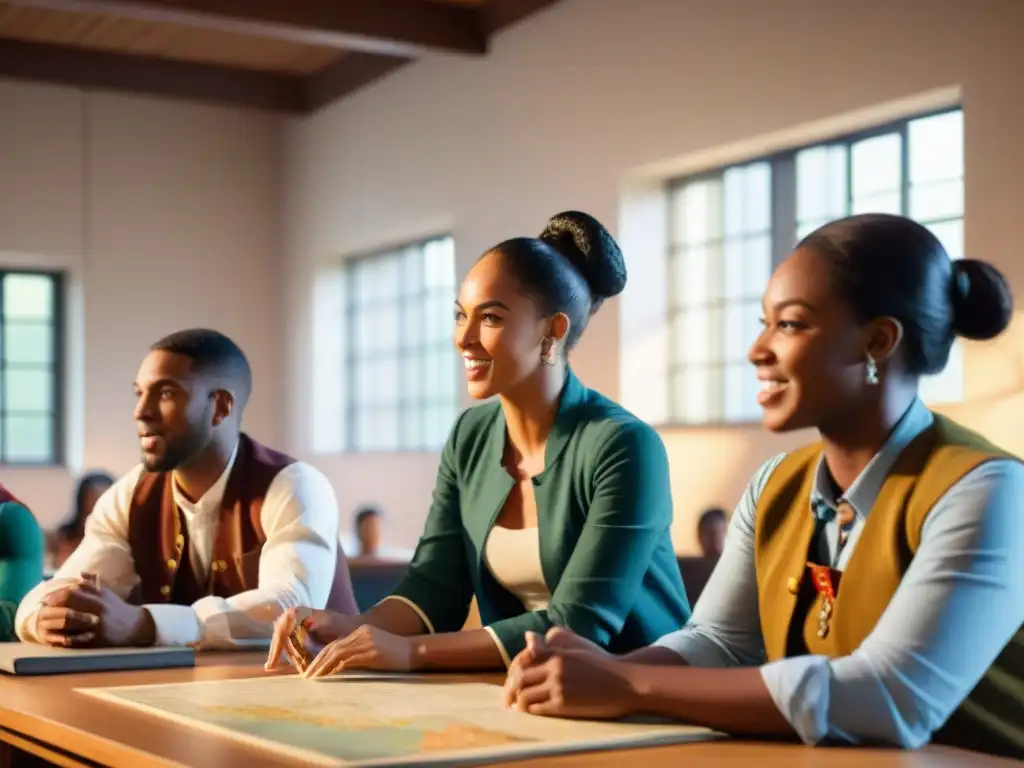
44, 717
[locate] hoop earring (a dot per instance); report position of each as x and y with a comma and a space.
871, 374
549, 357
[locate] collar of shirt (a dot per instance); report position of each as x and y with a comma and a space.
210, 503
865, 489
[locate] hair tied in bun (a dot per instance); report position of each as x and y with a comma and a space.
591, 249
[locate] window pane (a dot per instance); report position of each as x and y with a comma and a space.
441, 327
439, 263
28, 390
936, 147
736, 407
28, 439
693, 394
413, 326
742, 324
411, 424
876, 165
362, 323
440, 425
757, 266
735, 203
385, 425
951, 235
387, 328
387, 277
693, 277
811, 183
821, 192
692, 332
449, 375
757, 213
28, 342
732, 268
885, 203
697, 212
736, 336
937, 200
412, 375
362, 283
28, 297
412, 271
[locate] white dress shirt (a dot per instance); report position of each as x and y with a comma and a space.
958, 605
300, 521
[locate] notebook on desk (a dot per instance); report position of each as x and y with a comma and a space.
31, 659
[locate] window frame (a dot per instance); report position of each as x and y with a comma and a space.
784, 225
353, 357
58, 456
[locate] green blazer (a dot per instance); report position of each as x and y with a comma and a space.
604, 509
21, 558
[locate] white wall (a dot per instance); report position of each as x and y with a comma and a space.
165, 215
569, 104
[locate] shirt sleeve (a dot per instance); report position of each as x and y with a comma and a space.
104, 551
297, 564
630, 511
725, 630
958, 605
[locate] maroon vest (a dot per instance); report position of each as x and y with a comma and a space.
159, 540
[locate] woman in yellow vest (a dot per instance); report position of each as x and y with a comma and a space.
872, 584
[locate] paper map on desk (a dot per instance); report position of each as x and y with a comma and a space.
371, 720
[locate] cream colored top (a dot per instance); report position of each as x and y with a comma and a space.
513, 557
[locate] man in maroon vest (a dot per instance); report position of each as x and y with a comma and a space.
210, 538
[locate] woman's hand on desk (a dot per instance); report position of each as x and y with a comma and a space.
366, 647
302, 633
564, 675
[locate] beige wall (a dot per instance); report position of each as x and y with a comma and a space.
145, 199
573, 100
165, 215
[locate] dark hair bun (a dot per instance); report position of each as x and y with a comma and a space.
982, 303
590, 248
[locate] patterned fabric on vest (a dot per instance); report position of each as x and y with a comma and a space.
991, 719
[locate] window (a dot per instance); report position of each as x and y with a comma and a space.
30, 364
730, 227
400, 364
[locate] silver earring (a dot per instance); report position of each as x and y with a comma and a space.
871, 374
547, 357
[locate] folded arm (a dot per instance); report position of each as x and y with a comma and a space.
929, 649
297, 563
104, 551
958, 605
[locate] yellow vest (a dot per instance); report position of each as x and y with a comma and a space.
991, 719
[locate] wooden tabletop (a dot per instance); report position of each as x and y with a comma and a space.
45, 716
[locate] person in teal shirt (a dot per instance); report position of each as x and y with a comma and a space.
552, 504
21, 558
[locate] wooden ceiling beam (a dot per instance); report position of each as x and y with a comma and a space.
82, 68
402, 28
350, 73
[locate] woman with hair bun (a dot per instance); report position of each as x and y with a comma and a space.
871, 590
552, 504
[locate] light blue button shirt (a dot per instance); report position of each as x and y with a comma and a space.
958, 605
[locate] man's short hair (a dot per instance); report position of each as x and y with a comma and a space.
212, 354
365, 512
709, 516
